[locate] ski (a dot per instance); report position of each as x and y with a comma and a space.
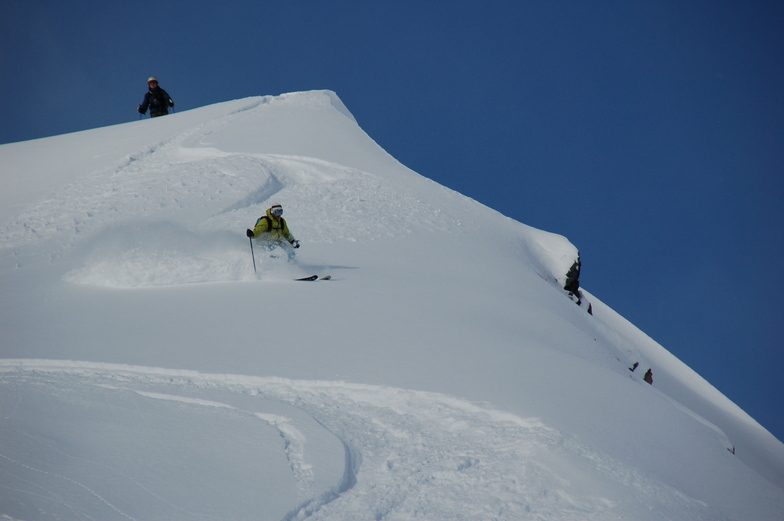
315, 277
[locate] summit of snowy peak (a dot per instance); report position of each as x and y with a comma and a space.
314, 124
317, 95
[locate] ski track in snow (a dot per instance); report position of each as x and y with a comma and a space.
408, 454
136, 184
69, 480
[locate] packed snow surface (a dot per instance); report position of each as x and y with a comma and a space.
443, 373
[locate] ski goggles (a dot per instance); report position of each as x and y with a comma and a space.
277, 212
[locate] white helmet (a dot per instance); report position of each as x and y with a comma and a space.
152, 78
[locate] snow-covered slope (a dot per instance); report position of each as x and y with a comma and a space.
443, 373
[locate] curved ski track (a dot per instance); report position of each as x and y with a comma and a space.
405, 451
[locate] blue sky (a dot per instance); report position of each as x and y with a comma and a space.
651, 134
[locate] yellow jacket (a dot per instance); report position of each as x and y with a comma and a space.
270, 229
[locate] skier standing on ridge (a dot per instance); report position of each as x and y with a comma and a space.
156, 99
273, 231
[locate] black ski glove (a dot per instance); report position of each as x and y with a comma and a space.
249, 233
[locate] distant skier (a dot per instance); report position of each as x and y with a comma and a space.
648, 376
271, 230
156, 99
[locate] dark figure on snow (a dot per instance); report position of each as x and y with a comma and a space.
273, 232
156, 99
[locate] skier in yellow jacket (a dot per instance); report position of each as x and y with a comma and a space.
272, 230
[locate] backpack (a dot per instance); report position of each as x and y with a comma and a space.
157, 99
270, 224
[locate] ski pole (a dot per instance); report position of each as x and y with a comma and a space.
252, 255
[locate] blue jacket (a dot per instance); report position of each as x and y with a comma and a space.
158, 101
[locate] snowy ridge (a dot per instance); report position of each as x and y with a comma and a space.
443, 373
